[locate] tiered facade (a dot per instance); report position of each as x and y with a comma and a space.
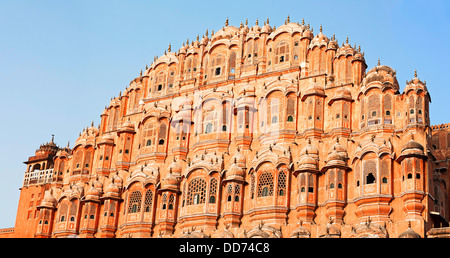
253, 132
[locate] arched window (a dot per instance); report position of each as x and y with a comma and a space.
134, 202
265, 184
281, 52
149, 132
370, 171
148, 201
208, 128
171, 78
196, 191
171, 201
209, 118
281, 183
232, 65
212, 190
160, 81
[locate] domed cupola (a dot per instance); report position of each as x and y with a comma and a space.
234, 172
337, 157
205, 39
48, 148
266, 28
310, 150
170, 182
409, 233
381, 75
239, 159
93, 194
243, 29
319, 40
128, 126
332, 43
175, 168
412, 148
49, 201
415, 84
307, 33
255, 30
112, 191
314, 88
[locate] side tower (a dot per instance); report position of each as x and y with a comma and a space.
38, 178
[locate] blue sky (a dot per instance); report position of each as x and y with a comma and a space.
62, 61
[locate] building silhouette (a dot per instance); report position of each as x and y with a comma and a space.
249, 132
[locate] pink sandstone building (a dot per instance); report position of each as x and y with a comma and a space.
249, 132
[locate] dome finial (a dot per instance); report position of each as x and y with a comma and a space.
170, 48
415, 73
346, 41
206, 34
320, 28
246, 22
379, 63
256, 23
267, 22
303, 22
288, 20
226, 22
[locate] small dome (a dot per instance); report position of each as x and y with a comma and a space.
227, 32
107, 139
335, 157
239, 159
49, 200
319, 40
93, 193
175, 168
112, 190
170, 182
382, 74
412, 145
127, 126
309, 149
307, 162
409, 233
266, 28
235, 172
307, 34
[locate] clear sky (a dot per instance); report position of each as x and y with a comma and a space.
62, 61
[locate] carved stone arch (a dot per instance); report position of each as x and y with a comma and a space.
263, 231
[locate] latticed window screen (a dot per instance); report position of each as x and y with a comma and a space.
196, 191
149, 134
212, 190
281, 52
62, 210
384, 169
370, 171
265, 184
252, 186
73, 209
290, 107
230, 189
282, 183
148, 201
387, 103
134, 203
171, 201
374, 106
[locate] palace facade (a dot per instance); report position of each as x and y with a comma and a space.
249, 132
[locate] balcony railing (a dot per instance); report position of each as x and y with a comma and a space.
38, 177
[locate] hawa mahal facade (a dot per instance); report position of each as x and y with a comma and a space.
249, 132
